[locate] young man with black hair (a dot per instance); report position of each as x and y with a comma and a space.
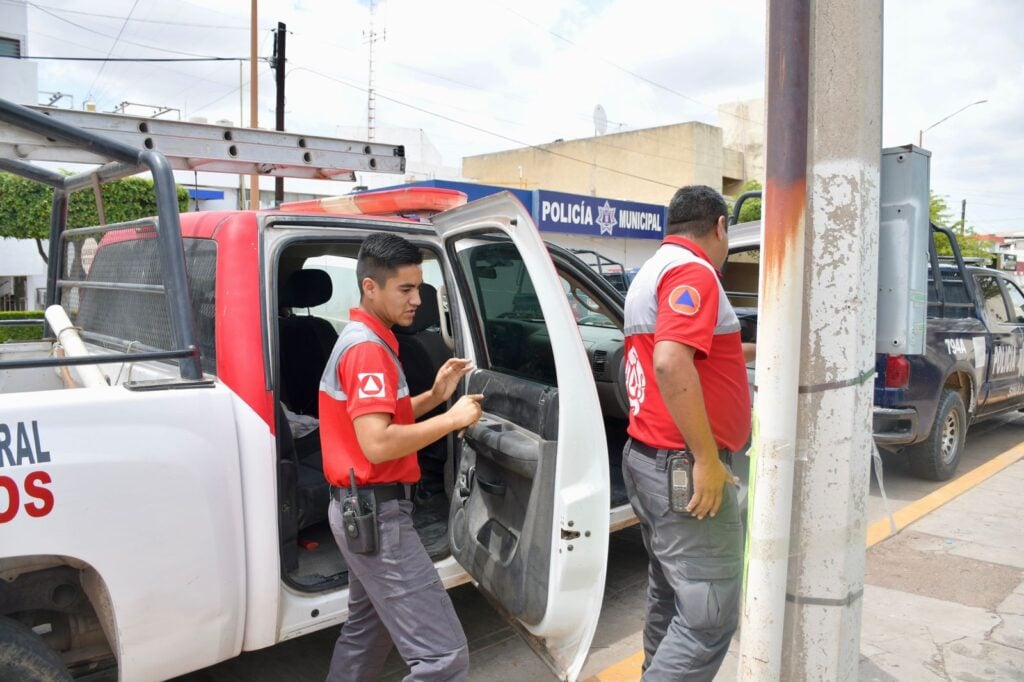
689, 411
368, 427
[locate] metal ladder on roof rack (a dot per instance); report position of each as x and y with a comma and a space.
207, 147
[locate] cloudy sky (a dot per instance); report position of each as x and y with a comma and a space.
484, 75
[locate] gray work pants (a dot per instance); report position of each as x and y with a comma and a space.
694, 576
395, 595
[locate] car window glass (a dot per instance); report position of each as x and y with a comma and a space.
1016, 302
587, 311
505, 300
995, 304
740, 277
345, 288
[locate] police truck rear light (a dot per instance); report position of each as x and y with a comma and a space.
897, 372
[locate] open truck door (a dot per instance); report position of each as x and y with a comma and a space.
529, 515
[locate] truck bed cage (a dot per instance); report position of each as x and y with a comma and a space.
127, 145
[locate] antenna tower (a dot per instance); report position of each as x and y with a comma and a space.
371, 36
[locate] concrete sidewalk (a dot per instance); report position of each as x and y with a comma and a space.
944, 599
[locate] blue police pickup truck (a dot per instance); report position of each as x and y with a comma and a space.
972, 368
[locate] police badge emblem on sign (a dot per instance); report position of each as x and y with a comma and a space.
371, 385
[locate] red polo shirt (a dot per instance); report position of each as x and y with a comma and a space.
677, 296
367, 379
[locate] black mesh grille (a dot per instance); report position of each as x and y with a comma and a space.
138, 317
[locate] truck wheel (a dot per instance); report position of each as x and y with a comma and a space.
25, 656
937, 457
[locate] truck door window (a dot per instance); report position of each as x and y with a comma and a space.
995, 304
345, 288
1016, 302
515, 336
740, 277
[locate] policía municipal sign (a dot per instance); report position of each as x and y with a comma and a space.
596, 216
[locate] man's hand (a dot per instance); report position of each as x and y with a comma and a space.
447, 379
465, 412
709, 479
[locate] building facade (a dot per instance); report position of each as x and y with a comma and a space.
646, 165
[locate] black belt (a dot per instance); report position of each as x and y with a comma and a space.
381, 493
652, 452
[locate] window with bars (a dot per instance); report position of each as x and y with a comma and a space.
10, 47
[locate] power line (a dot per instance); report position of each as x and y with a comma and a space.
623, 69
106, 35
112, 46
264, 72
489, 132
131, 59
98, 15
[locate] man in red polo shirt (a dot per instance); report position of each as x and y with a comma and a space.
368, 426
687, 384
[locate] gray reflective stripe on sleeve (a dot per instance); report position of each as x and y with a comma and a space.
638, 329
353, 334
335, 393
728, 328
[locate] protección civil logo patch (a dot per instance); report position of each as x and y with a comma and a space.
371, 385
685, 300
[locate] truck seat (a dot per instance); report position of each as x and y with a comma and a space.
422, 351
306, 341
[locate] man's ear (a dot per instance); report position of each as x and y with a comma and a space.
368, 286
722, 228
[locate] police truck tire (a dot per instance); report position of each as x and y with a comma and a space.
937, 457
25, 656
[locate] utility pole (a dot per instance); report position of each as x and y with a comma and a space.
254, 99
279, 64
963, 217
805, 582
372, 37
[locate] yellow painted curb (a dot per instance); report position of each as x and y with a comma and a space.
882, 530
628, 669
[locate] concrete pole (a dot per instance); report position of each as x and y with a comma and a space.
254, 96
825, 585
780, 312
801, 618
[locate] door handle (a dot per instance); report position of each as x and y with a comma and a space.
497, 489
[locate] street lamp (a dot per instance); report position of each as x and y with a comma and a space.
920, 133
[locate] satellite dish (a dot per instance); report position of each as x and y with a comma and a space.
600, 120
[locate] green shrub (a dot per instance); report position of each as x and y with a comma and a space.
26, 332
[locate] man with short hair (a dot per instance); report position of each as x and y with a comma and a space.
689, 405
368, 426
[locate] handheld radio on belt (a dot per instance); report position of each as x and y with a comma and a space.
680, 481
360, 520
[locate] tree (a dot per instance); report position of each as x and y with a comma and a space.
971, 245
25, 205
751, 209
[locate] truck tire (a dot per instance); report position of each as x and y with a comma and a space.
24, 655
937, 457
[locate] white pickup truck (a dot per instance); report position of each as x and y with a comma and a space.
157, 512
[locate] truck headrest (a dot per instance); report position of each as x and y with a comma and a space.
306, 288
427, 314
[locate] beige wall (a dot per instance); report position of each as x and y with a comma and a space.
743, 133
649, 164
